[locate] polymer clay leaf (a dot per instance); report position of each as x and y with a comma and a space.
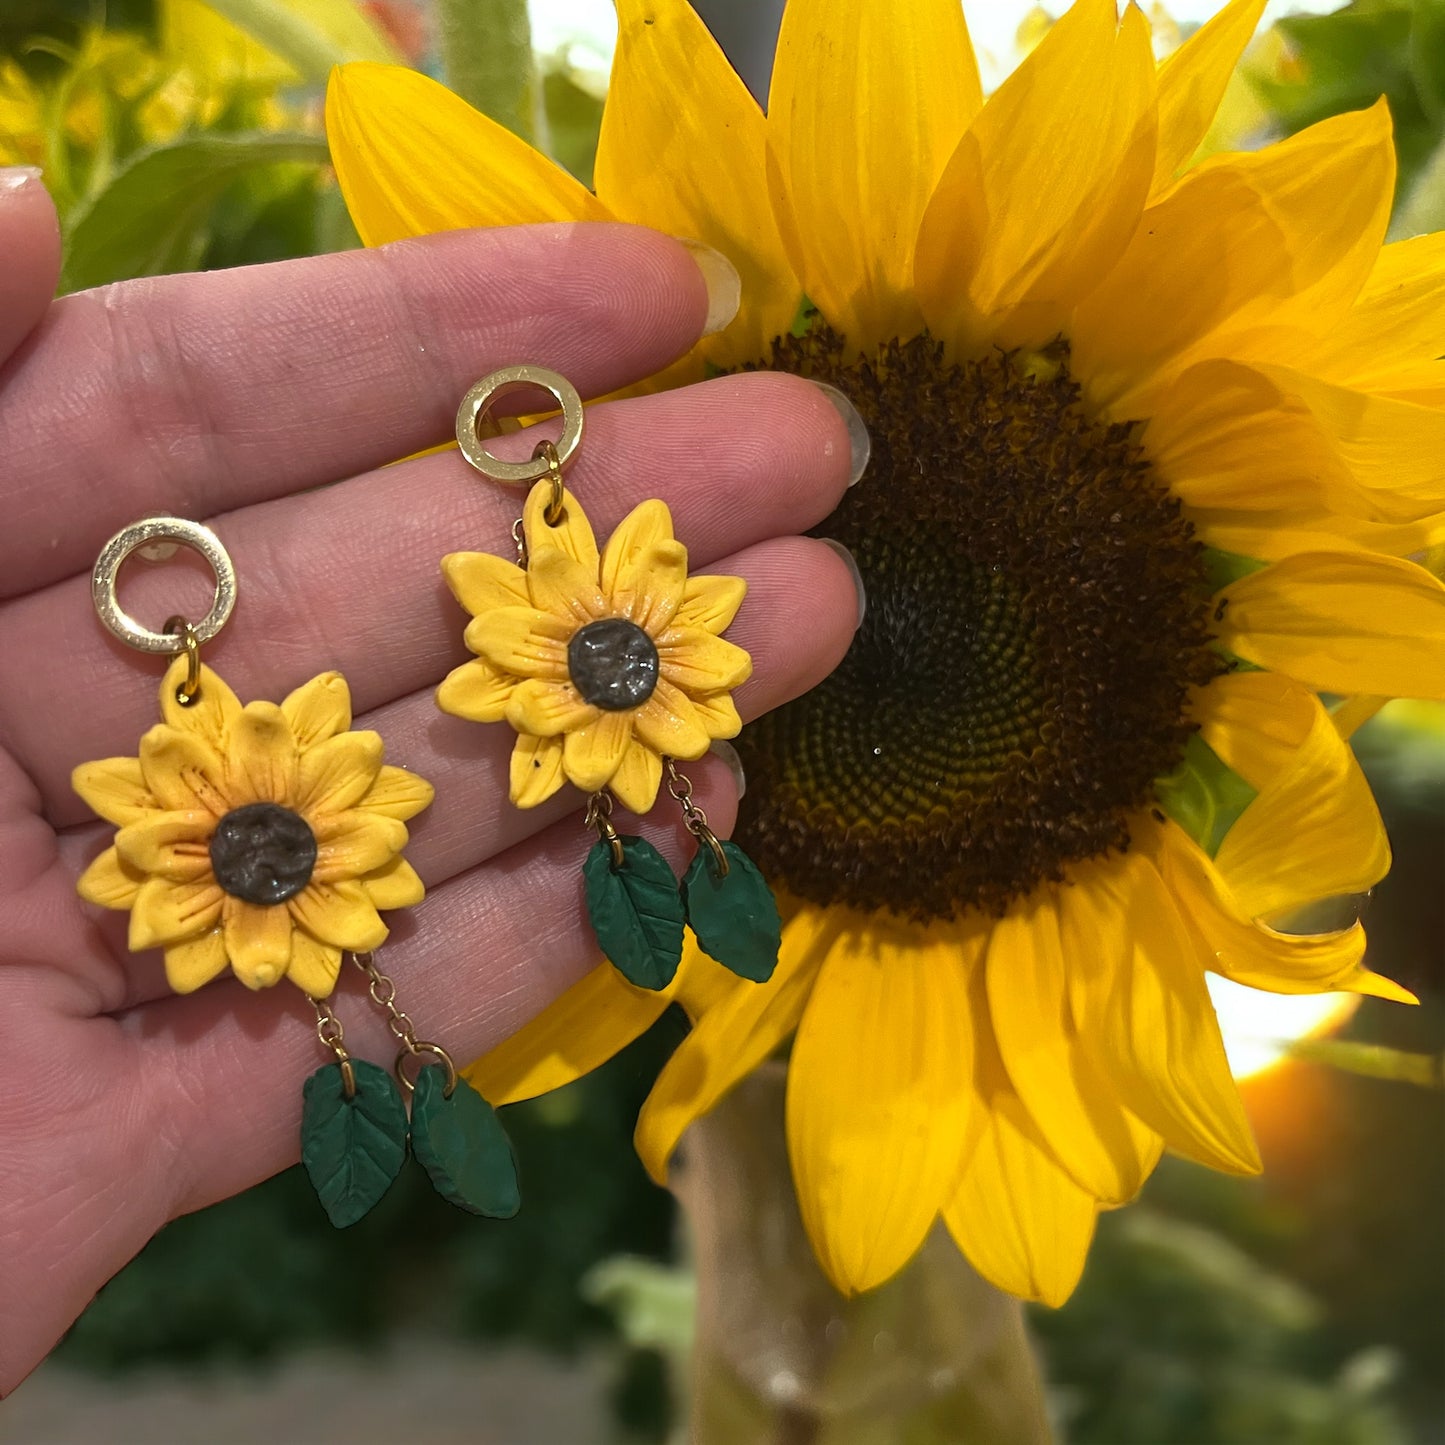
636, 912
461, 1144
352, 1148
735, 918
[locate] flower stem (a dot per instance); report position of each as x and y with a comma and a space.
487, 55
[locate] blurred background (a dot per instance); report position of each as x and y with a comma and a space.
1304, 1308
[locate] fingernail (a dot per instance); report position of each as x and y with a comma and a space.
13, 177
860, 445
724, 285
734, 764
852, 566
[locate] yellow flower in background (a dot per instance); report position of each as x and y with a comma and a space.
262, 837
604, 664
1150, 446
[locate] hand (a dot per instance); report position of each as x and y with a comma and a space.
233, 397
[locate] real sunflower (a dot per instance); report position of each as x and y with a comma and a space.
1151, 444
603, 663
263, 837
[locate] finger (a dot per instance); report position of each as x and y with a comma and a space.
196, 394
485, 953
348, 578
30, 244
471, 819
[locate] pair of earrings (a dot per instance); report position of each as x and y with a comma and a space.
268, 838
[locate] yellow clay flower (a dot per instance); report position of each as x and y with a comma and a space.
1152, 443
264, 837
604, 664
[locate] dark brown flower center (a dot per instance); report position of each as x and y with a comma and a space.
1037, 615
263, 853
613, 664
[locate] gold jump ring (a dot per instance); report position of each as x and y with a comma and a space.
476, 408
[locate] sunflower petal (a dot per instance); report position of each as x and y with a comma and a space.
644, 569
318, 709
212, 713
169, 845
115, 788
166, 912
1076, 1113
535, 771
597, 1017
337, 774
697, 661
397, 793
354, 842
561, 586
718, 714
477, 690
396, 885
109, 882
739, 1028
669, 724
545, 709
400, 142
637, 779
867, 103
184, 771
261, 759
523, 641
696, 170
1342, 622
711, 603
341, 914
194, 963
314, 965
1026, 220
878, 1092
258, 940
572, 533
481, 581
593, 753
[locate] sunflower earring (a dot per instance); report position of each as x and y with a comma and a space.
612, 668
265, 839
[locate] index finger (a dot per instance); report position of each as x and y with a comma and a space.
196, 394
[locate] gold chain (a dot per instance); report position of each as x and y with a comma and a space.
693, 817
383, 995
599, 816
333, 1037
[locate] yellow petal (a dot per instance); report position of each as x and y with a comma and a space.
196, 962
354, 842
637, 779
1251, 953
397, 793
166, 912
693, 659
170, 845
110, 882
184, 771
572, 532
318, 709
314, 965
711, 602
628, 555
740, 1028
591, 755
597, 1017
1108, 1153
718, 714
1192, 82
1313, 831
668, 723
338, 774
258, 940
212, 713
115, 788
563, 587
1146, 1019
545, 709
261, 761
1022, 1222
536, 770
477, 691
394, 886
1029, 214
1342, 622
694, 167
341, 914
1304, 218
480, 581
412, 158
878, 1091
523, 641
867, 103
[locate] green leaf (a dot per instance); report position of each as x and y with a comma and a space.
1223, 568
154, 215
1203, 795
461, 1144
735, 918
312, 35
636, 911
352, 1148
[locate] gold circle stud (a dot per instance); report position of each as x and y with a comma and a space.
146, 534
477, 405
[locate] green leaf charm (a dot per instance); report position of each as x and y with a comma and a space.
460, 1142
636, 912
352, 1148
735, 918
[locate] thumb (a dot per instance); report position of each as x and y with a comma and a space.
29, 254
